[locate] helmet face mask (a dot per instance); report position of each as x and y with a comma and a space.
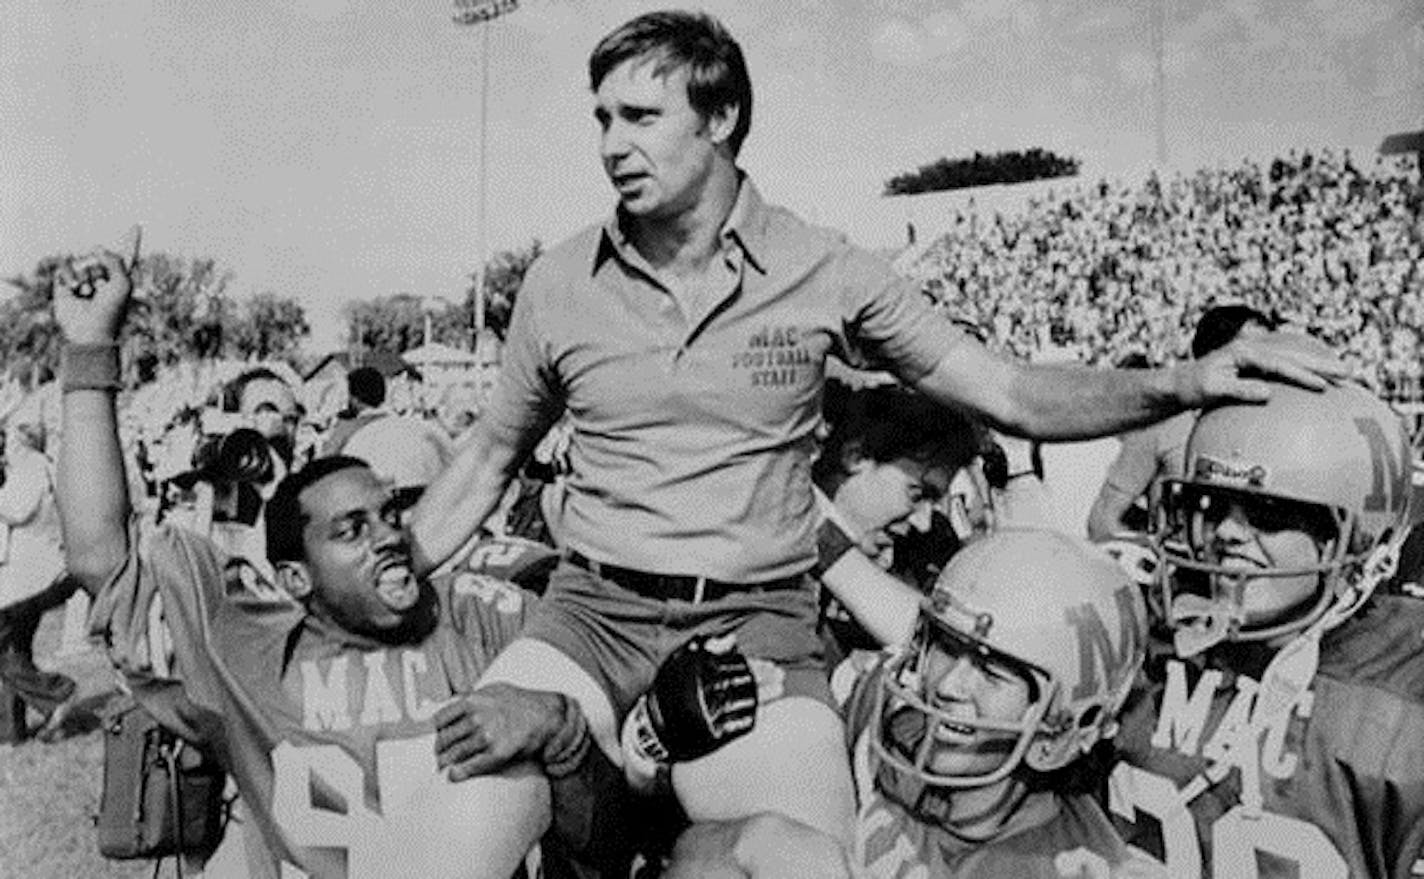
1035, 613
1272, 578
1279, 509
912, 722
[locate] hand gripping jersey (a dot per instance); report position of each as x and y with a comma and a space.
1340, 778
325, 732
896, 836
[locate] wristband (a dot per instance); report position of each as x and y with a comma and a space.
831, 543
90, 366
570, 744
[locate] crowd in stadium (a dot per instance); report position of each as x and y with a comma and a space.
670, 601
1327, 242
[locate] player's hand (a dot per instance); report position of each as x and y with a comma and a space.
703, 696
91, 293
1243, 371
493, 727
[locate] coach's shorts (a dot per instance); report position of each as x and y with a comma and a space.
620, 637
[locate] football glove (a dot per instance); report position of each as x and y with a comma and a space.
700, 699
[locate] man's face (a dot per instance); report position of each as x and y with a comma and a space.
358, 553
882, 499
656, 149
270, 407
966, 684
1251, 534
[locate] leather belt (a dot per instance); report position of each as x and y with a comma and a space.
680, 587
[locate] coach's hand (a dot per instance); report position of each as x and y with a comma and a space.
1244, 370
495, 726
91, 293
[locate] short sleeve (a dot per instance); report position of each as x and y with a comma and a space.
888, 320
527, 398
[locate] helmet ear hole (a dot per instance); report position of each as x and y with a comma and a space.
1090, 716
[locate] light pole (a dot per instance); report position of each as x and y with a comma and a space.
479, 12
1160, 14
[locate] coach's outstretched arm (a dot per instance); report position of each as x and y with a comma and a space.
91, 296
1072, 402
462, 497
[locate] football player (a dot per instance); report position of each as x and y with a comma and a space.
968, 746
340, 704
1283, 733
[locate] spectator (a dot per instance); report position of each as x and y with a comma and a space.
267, 404
32, 577
366, 397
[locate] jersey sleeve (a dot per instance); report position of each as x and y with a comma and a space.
525, 563
488, 609
157, 617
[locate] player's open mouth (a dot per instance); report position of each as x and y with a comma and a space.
397, 588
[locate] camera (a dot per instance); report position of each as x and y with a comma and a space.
234, 464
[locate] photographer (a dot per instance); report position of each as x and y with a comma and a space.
222, 495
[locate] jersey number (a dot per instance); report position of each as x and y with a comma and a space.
401, 766
1235, 838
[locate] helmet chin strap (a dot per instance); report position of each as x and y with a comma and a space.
936, 805
1202, 623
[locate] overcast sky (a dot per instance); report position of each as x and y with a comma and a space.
328, 149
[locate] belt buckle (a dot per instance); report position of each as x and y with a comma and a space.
699, 590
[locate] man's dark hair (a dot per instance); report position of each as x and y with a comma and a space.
717, 76
367, 385
232, 393
888, 422
1219, 325
285, 518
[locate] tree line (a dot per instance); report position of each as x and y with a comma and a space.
185, 309
982, 170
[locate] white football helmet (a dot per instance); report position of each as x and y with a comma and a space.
1335, 463
1054, 609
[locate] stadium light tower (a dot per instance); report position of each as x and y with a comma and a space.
482, 12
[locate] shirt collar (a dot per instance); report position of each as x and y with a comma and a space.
745, 227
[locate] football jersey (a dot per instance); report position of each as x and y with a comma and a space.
323, 730
1332, 788
891, 842
523, 562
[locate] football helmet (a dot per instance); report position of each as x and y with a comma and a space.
1334, 463
1055, 610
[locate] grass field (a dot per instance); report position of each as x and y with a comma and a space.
49, 794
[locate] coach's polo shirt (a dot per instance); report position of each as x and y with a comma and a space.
693, 412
